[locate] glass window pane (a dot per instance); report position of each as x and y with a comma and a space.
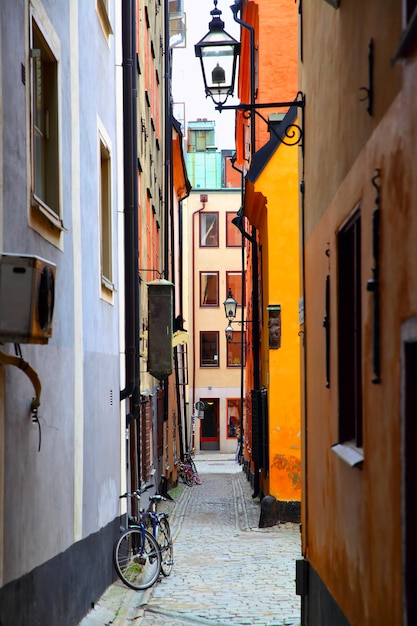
209, 289
209, 230
233, 417
234, 350
234, 282
233, 234
209, 349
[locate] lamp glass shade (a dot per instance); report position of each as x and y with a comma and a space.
229, 332
230, 306
218, 52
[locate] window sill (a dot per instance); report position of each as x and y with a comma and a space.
48, 213
349, 453
107, 284
107, 290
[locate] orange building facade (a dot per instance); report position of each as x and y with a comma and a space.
272, 431
358, 71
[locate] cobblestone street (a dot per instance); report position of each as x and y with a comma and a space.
227, 571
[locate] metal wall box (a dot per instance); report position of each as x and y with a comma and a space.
27, 295
160, 327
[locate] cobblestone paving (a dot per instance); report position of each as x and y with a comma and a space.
227, 571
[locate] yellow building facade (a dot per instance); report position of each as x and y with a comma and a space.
271, 206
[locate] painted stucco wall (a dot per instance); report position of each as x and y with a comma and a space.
69, 488
352, 518
218, 382
281, 287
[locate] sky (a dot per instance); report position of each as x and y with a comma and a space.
187, 80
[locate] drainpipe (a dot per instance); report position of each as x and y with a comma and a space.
193, 292
130, 198
167, 193
238, 222
255, 305
237, 6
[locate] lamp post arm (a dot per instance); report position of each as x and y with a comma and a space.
298, 102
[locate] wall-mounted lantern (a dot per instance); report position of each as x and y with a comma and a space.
218, 52
160, 327
230, 306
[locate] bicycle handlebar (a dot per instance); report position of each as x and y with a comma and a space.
137, 493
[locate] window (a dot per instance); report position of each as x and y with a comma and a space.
209, 348
349, 332
409, 9
234, 282
102, 7
407, 44
233, 234
209, 288
233, 417
209, 230
45, 145
105, 217
234, 349
409, 459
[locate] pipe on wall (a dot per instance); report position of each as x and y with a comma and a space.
130, 198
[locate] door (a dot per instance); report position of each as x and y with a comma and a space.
209, 431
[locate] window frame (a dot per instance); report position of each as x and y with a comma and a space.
215, 361
238, 340
103, 11
231, 227
239, 295
236, 402
105, 212
202, 303
349, 325
46, 204
204, 215
407, 45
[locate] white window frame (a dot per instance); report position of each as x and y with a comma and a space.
52, 212
105, 213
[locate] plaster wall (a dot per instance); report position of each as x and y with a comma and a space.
354, 516
218, 382
68, 488
277, 57
333, 69
278, 182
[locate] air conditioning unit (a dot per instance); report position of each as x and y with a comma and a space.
27, 294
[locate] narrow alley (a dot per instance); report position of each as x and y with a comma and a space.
220, 554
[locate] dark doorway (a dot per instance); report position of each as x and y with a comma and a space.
209, 433
409, 479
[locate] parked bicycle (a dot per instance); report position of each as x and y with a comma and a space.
188, 472
136, 553
158, 524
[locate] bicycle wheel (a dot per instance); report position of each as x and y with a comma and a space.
137, 558
167, 550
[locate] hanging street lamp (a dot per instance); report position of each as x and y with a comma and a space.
218, 52
230, 306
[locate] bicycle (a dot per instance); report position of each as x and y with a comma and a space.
189, 461
136, 553
161, 531
186, 474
